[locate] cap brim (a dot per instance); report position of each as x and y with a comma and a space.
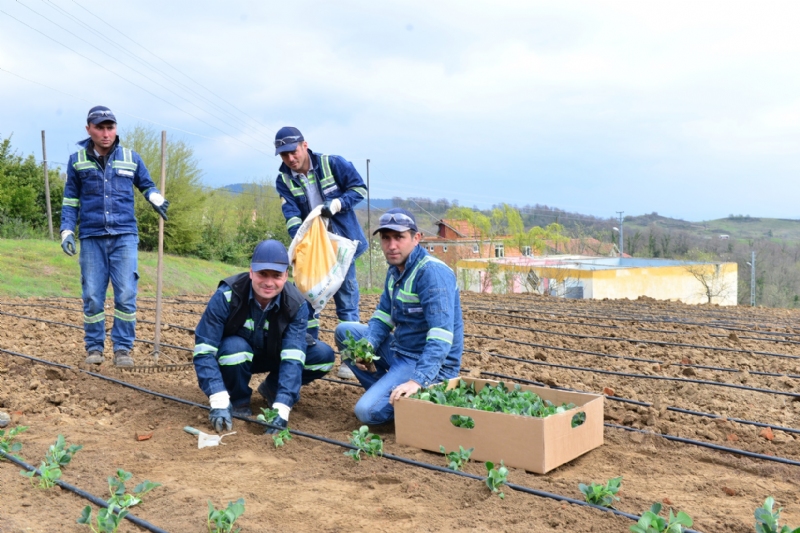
100, 120
394, 227
286, 148
277, 267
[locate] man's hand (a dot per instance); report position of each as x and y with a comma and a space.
159, 203
406, 389
280, 423
221, 419
68, 242
331, 207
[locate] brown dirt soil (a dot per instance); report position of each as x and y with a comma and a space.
311, 486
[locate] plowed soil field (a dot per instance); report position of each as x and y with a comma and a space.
618, 348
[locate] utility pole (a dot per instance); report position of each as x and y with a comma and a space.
621, 239
369, 233
47, 189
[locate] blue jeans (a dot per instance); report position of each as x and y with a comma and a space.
236, 377
391, 370
347, 297
114, 257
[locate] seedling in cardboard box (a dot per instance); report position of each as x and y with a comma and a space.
767, 521
457, 459
496, 477
600, 494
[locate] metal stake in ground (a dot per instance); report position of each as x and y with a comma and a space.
159, 268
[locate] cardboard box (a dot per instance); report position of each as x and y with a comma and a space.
535, 444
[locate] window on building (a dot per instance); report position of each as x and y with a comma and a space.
474, 248
526, 251
444, 248
499, 250
430, 248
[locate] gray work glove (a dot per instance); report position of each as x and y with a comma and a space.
68, 242
221, 419
280, 423
331, 207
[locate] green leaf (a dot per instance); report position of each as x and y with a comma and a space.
86, 515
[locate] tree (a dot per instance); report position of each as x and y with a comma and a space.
710, 276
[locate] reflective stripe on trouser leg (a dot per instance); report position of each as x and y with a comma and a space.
124, 275
93, 261
235, 358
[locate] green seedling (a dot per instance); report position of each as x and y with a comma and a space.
602, 495
109, 519
366, 442
267, 415
461, 421
57, 456
496, 477
767, 521
359, 351
493, 398
650, 522
221, 521
281, 438
457, 459
7, 443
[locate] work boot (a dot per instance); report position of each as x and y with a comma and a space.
345, 372
123, 358
94, 357
242, 410
266, 393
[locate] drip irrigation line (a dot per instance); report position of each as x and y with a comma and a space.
646, 376
641, 341
404, 460
82, 493
647, 404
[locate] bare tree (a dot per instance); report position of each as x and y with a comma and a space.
710, 276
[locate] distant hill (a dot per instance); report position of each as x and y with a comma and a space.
739, 227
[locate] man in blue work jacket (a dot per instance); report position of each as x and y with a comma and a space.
98, 196
417, 330
308, 179
256, 322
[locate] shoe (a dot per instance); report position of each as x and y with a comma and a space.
241, 410
266, 393
345, 372
123, 358
94, 357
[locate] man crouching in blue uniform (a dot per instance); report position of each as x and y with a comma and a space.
254, 323
417, 330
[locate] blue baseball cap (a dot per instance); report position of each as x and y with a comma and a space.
270, 255
287, 139
100, 113
397, 219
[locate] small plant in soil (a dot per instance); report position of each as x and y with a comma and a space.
366, 442
767, 521
7, 443
280, 438
496, 398
600, 494
496, 477
221, 521
359, 351
57, 456
650, 522
109, 519
457, 459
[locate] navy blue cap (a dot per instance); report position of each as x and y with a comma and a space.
100, 113
270, 255
287, 139
397, 219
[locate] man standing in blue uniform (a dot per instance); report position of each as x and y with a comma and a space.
417, 330
308, 179
99, 195
256, 322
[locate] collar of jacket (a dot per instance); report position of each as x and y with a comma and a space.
314, 164
88, 145
416, 254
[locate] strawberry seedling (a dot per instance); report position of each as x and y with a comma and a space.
366, 442
109, 519
457, 459
602, 495
281, 438
767, 521
58, 455
267, 415
359, 351
496, 477
221, 521
650, 522
7, 443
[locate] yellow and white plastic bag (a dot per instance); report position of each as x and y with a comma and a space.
320, 260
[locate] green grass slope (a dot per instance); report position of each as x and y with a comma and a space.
39, 268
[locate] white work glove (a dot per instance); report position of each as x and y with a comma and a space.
156, 199
283, 410
331, 207
281, 421
159, 203
220, 415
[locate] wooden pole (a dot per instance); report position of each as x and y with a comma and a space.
47, 188
369, 233
160, 268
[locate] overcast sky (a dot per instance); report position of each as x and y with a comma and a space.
690, 109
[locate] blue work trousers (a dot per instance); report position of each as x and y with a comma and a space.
114, 258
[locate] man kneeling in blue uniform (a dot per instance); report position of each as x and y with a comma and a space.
256, 322
417, 330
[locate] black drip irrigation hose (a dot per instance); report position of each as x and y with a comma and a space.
82, 493
404, 460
